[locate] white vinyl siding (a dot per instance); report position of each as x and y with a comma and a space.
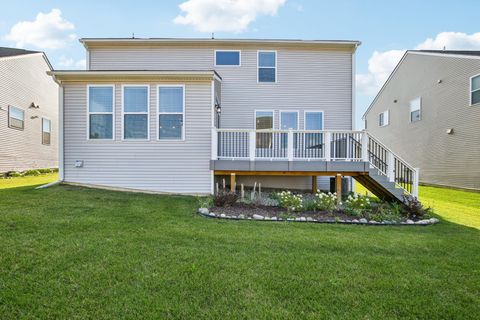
416, 110
135, 117
475, 90
171, 112
101, 99
16, 118
46, 131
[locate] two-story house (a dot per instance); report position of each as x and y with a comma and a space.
28, 111
429, 113
176, 115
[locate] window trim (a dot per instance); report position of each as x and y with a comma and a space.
48, 119
419, 109
227, 65
313, 111
158, 113
472, 91
258, 67
140, 113
280, 119
386, 118
8, 117
112, 113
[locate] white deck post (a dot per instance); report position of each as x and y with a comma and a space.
390, 167
290, 145
365, 146
327, 144
214, 144
252, 144
416, 175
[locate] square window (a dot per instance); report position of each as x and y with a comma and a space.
171, 126
101, 126
135, 126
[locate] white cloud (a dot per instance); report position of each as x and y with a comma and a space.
69, 63
47, 31
381, 64
225, 15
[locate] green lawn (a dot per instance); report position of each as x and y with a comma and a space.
74, 253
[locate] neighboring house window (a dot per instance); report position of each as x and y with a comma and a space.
313, 121
267, 66
100, 111
384, 118
171, 112
416, 110
227, 58
46, 131
475, 90
288, 121
135, 112
16, 118
264, 121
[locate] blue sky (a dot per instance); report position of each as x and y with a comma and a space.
386, 28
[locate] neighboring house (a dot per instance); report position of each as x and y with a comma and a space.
28, 111
428, 111
174, 115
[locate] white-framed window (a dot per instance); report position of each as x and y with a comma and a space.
384, 118
46, 131
264, 121
313, 120
101, 114
135, 112
267, 66
171, 112
16, 118
475, 90
416, 110
228, 58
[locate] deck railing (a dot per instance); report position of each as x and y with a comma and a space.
307, 145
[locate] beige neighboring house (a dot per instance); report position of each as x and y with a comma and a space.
428, 111
28, 111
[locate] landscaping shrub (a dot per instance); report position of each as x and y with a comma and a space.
413, 208
290, 201
326, 201
225, 198
356, 205
13, 174
31, 173
263, 200
205, 202
47, 170
384, 212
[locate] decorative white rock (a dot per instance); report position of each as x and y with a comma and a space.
273, 218
423, 222
355, 221
410, 221
434, 220
363, 220
222, 215
241, 216
309, 219
258, 217
211, 214
203, 210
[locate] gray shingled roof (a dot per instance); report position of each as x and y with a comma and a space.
10, 52
460, 52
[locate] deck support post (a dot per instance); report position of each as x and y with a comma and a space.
338, 187
232, 182
314, 185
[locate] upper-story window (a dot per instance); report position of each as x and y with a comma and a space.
171, 112
16, 118
227, 58
100, 111
416, 110
135, 112
384, 118
475, 90
267, 66
46, 131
